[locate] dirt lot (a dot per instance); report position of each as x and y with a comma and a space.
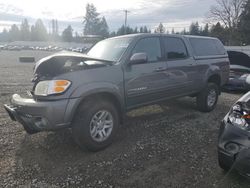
167, 145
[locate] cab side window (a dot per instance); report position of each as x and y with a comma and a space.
175, 48
150, 46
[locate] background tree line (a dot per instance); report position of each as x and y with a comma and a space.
228, 20
36, 32
94, 25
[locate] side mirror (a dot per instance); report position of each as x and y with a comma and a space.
138, 58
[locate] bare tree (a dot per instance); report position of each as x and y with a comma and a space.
226, 11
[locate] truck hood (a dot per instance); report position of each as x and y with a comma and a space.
64, 62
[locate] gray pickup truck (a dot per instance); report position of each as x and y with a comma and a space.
90, 93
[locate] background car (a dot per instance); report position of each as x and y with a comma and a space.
234, 143
239, 71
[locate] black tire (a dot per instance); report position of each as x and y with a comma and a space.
222, 163
202, 98
81, 124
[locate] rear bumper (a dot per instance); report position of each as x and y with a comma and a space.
40, 115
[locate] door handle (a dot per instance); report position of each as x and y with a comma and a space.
160, 69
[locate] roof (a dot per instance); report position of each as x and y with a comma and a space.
198, 37
161, 34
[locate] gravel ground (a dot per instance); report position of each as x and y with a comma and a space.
167, 145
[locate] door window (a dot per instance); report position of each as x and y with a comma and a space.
150, 46
175, 48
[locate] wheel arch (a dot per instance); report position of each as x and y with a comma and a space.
215, 78
101, 95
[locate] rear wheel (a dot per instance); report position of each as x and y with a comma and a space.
95, 125
208, 97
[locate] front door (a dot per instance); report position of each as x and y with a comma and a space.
145, 83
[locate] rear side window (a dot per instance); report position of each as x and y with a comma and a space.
207, 47
150, 46
175, 48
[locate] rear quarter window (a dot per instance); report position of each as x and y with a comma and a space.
207, 47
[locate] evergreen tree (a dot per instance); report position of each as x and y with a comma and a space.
145, 29
172, 32
67, 35
112, 34
93, 25
141, 30
4, 36
32, 33
219, 32
184, 32
39, 32
76, 37
91, 20
103, 29
122, 30
160, 29
14, 33
194, 29
244, 24
25, 30
129, 30
135, 30
205, 31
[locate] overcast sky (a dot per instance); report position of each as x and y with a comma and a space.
176, 14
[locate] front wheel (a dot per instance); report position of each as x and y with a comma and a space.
95, 125
208, 97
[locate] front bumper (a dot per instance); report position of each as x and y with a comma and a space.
234, 148
38, 116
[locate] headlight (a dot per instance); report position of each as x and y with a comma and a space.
238, 117
50, 87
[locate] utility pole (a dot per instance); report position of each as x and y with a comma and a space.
126, 17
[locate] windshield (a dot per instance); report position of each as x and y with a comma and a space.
110, 49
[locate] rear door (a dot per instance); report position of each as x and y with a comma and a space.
181, 68
146, 82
